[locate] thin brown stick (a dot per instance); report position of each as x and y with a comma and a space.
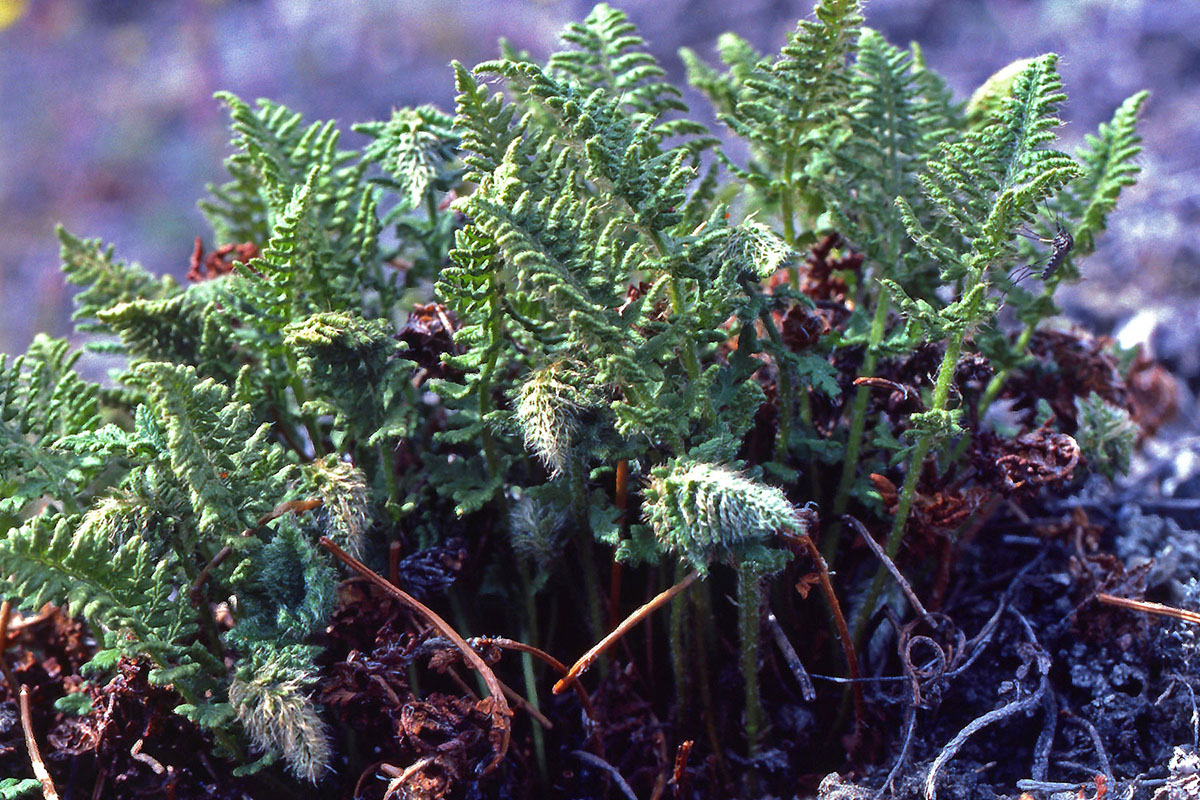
513, 697
526, 706
807, 691
35, 756
622, 501
629, 622
585, 699
10, 680
197, 597
501, 712
1149, 607
905, 586
297, 506
462, 684
835, 607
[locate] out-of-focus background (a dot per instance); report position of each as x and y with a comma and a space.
107, 122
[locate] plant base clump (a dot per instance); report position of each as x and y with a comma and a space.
435, 416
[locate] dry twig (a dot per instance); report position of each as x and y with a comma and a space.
839, 620
905, 586
1149, 607
500, 710
1034, 653
35, 755
587, 659
807, 691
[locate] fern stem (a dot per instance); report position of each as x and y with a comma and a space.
786, 386
587, 560
858, 424
749, 621
941, 393
530, 637
388, 467
702, 608
301, 395
679, 671
787, 211
997, 382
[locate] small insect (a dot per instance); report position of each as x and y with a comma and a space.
1060, 248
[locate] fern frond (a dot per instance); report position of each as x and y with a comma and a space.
270, 697
415, 148
186, 328
989, 183
483, 123
126, 592
892, 128
224, 459
610, 57
704, 512
42, 400
1109, 160
782, 106
355, 373
106, 281
724, 90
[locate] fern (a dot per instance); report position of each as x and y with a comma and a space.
783, 106
619, 361
416, 149
352, 367
41, 401
705, 512
107, 282
1109, 165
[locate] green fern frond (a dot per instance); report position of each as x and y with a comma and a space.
270, 697
723, 90
14, 788
106, 281
415, 148
126, 589
989, 183
783, 106
610, 57
186, 328
893, 127
42, 400
353, 368
1107, 435
1109, 161
483, 123
224, 459
704, 512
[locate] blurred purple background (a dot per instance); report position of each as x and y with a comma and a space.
108, 123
